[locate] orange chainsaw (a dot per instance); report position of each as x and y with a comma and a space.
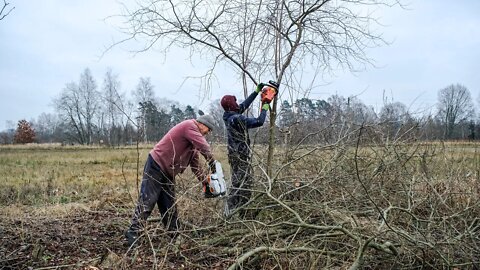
269, 91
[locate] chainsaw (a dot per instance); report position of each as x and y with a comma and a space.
214, 185
269, 91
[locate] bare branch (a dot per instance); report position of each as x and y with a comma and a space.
4, 11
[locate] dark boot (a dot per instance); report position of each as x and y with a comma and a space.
131, 237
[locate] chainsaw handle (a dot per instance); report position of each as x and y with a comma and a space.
212, 166
274, 84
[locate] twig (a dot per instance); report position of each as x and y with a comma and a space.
256, 250
68, 265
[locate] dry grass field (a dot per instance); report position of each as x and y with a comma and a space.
396, 207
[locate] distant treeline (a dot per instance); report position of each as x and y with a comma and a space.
86, 115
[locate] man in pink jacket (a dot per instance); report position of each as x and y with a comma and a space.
177, 150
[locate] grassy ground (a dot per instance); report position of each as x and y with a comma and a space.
43, 175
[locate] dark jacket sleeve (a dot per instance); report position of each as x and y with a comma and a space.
247, 102
252, 122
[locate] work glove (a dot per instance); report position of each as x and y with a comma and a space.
259, 87
266, 106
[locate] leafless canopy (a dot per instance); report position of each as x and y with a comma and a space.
261, 37
454, 105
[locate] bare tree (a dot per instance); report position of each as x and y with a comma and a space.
216, 111
346, 115
4, 11
46, 127
69, 108
90, 97
263, 39
454, 106
114, 107
359, 113
393, 116
79, 105
143, 94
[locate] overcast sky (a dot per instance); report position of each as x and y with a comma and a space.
46, 44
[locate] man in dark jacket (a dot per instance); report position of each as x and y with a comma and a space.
177, 150
239, 146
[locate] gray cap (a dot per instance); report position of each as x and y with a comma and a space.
207, 120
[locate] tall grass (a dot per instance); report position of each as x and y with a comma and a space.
38, 175
45, 174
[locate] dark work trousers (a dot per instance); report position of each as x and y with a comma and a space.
241, 179
157, 188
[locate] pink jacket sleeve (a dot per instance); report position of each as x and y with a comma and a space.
201, 146
196, 168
